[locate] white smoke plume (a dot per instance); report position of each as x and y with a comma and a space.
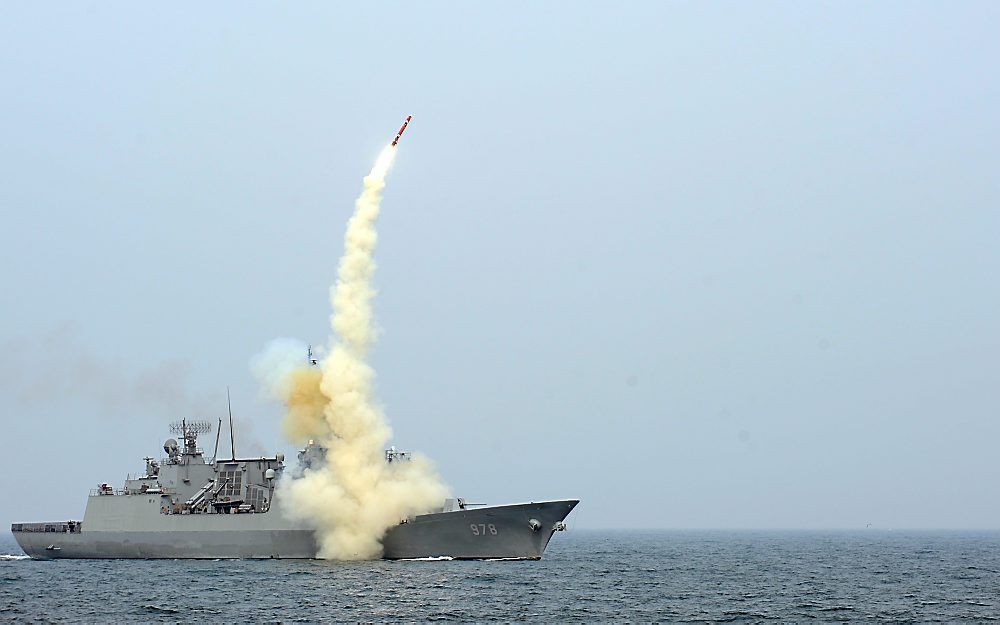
358, 496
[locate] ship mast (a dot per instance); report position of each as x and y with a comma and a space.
218, 431
232, 437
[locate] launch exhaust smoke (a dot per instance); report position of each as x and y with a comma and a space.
357, 496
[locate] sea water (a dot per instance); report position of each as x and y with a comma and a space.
585, 576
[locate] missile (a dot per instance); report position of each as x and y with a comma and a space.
401, 129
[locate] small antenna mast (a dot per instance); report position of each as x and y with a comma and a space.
218, 431
232, 437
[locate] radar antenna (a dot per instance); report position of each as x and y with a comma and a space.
189, 431
197, 427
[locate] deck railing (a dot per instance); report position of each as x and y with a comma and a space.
166, 490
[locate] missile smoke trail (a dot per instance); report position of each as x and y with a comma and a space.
357, 496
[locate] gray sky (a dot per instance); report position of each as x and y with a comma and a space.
697, 264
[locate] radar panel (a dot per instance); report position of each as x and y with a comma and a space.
193, 427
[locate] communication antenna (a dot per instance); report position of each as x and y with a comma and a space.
232, 437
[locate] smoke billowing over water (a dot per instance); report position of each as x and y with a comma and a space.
358, 495
60, 370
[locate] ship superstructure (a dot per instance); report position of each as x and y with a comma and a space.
187, 483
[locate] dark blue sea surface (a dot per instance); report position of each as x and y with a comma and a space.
585, 576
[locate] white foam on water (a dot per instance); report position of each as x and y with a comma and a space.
430, 559
7, 557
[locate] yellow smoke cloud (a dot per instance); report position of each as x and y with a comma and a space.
305, 402
358, 496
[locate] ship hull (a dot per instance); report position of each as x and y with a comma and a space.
516, 531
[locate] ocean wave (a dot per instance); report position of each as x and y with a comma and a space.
9, 557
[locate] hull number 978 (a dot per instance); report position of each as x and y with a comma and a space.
483, 529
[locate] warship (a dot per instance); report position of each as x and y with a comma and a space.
188, 506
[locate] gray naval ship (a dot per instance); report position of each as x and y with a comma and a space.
186, 506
